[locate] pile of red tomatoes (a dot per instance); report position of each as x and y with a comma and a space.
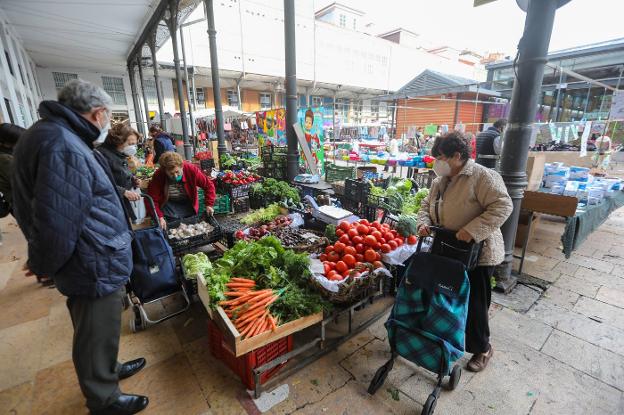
360, 243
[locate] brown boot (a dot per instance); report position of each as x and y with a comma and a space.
479, 361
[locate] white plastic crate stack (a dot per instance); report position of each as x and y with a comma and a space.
577, 182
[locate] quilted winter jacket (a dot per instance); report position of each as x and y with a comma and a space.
476, 200
67, 206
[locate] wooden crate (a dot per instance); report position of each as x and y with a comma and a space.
231, 337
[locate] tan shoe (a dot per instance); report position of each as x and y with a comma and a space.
479, 361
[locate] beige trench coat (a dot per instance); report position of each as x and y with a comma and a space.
476, 200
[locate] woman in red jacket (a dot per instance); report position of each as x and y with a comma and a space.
174, 189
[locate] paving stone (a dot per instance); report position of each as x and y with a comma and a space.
561, 296
157, 343
579, 286
579, 325
596, 277
20, 352
520, 299
17, 400
519, 378
566, 268
549, 275
611, 296
591, 263
531, 332
586, 357
602, 311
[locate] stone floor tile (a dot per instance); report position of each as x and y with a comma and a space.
220, 387
57, 341
20, 352
191, 325
561, 296
596, 277
591, 263
312, 384
577, 285
351, 399
23, 300
601, 311
171, 386
611, 296
155, 344
57, 392
6, 270
586, 357
520, 299
566, 268
17, 400
531, 332
550, 275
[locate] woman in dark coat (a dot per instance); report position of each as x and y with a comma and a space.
121, 143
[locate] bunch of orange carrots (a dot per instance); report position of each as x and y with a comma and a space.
248, 308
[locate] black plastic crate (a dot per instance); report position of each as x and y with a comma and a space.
356, 190
206, 164
182, 245
390, 219
255, 201
241, 204
240, 191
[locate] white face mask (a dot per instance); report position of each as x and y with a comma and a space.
441, 168
103, 132
129, 150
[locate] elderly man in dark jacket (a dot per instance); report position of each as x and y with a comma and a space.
489, 144
66, 204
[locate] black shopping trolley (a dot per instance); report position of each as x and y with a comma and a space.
428, 320
153, 277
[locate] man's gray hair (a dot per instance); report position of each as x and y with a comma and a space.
83, 96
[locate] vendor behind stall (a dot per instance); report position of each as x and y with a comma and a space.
174, 189
162, 142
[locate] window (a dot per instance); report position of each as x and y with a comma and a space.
374, 109
343, 20
232, 98
201, 97
61, 78
8, 58
115, 88
317, 101
150, 91
265, 101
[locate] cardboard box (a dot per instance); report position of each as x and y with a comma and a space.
535, 170
523, 226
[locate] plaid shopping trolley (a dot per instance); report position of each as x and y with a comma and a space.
428, 320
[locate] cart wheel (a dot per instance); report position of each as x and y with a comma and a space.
430, 405
378, 380
455, 377
136, 321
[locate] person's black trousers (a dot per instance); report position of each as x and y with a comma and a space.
477, 325
97, 328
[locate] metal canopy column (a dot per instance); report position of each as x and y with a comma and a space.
188, 85
143, 92
214, 71
151, 42
532, 51
135, 99
172, 24
291, 88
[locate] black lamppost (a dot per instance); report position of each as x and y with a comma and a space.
529, 66
291, 88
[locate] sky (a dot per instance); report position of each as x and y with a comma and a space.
494, 27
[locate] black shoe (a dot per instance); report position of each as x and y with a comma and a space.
130, 368
124, 405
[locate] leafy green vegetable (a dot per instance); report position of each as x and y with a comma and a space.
276, 191
195, 264
406, 225
411, 205
262, 215
330, 233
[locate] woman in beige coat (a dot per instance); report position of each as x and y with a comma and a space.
473, 201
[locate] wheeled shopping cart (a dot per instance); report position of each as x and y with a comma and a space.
428, 320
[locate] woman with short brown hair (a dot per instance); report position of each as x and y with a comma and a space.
174, 189
121, 143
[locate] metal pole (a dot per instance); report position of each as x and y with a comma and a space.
144, 93
555, 118
161, 109
214, 70
532, 52
188, 85
587, 100
135, 100
172, 23
291, 88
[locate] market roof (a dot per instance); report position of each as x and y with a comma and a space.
583, 50
435, 83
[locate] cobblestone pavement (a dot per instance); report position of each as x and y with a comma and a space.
557, 351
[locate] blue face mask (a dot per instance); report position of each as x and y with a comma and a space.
178, 178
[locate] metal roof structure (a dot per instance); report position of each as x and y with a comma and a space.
436, 83
583, 50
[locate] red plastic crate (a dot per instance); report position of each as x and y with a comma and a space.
244, 365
